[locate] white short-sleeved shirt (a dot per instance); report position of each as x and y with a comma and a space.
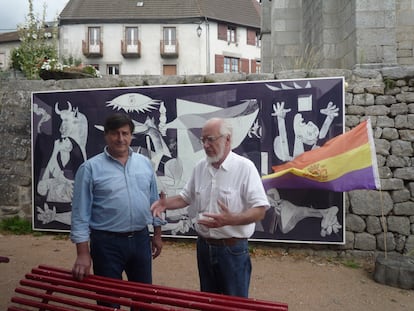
236, 183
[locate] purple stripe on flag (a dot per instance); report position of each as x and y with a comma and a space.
360, 179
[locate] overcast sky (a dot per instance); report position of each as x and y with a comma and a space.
14, 12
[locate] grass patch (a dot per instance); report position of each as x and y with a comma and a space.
20, 226
16, 225
351, 264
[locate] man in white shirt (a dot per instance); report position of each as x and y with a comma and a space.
226, 196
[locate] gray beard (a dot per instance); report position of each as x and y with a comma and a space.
216, 158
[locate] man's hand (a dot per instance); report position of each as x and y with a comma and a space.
83, 262
156, 245
217, 220
82, 266
158, 207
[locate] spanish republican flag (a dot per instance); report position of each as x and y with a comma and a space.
345, 162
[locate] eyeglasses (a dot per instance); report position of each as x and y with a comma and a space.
209, 139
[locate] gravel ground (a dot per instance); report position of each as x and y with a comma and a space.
305, 283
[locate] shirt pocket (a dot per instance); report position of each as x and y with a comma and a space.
141, 182
202, 198
230, 197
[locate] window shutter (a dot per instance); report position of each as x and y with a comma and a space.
253, 66
219, 63
222, 32
251, 37
244, 65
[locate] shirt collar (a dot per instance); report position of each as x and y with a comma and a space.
227, 163
109, 155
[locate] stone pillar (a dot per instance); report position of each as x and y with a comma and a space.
375, 23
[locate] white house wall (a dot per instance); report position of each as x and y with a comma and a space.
5, 52
196, 55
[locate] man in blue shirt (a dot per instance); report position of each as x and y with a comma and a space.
113, 193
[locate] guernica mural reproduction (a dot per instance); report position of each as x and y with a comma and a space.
274, 121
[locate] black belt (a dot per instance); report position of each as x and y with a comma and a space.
223, 242
128, 234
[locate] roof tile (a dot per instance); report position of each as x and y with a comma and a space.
241, 12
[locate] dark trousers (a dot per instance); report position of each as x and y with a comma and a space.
112, 254
224, 269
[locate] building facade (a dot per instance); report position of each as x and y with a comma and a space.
336, 34
8, 42
162, 37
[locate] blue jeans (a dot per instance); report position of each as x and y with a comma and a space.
112, 254
224, 269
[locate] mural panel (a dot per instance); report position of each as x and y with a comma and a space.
274, 121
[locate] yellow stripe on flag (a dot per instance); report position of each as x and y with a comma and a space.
332, 168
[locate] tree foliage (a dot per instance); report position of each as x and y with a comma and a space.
38, 42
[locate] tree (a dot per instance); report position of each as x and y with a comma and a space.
38, 42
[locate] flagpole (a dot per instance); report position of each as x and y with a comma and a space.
384, 225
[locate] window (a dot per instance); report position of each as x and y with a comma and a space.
169, 40
231, 34
258, 66
227, 33
94, 39
94, 35
169, 70
131, 36
169, 36
258, 42
231, 64
112, 70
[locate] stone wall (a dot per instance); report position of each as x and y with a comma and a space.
374, 219
336, 33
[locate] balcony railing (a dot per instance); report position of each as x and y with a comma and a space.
131, 50
92, 50
169, 49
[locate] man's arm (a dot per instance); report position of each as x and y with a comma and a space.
156, 242
225, 218
175, 202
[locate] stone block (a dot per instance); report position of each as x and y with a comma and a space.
385, 100
400, 196
397, 161
365, 241
377, 110
404, 208
405, 173
409, 246
373, 225
398, 224
392, 184
407, 135
355, 223
385, 121
389, 133
386, 241
382, 146
395, 270
366, 202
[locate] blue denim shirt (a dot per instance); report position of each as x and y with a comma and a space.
112, 197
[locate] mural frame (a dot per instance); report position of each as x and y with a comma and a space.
273, 120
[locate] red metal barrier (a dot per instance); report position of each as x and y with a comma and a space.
53, 289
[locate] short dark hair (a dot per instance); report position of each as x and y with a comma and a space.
117, 120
